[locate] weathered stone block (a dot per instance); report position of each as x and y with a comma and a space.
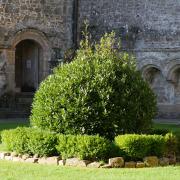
151, 161
172, 160
3, 154
116, 162
76, 162
42, 160
140, 164
62, 162
94, 165
20, 155
9, 158
31, 160
17, 159
53, 160
25, 156
36, 156
164, 161
49, 160
130, 164
14, 154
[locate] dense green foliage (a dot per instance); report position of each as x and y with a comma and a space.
42, 143
83, 147
100, 92
171, 143
139, 146
34, 141
30, 140
175, 129
15, 139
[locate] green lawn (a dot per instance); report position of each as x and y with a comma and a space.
173, 128
12, 170
16, 171
11, 125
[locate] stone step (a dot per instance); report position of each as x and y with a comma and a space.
24, 98
25, 94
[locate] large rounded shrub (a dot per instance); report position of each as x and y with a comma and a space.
100, 92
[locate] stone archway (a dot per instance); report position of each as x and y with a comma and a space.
33, 42
157, 82
174, 77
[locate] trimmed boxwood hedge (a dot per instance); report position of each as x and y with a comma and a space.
83, 147
130, 146
136, 146
172, 143
30, 140
44, 143
15, 139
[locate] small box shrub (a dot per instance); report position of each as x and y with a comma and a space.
83, 147
16, 139
139, 146
30, 140
156, 145
42, 143
171, 143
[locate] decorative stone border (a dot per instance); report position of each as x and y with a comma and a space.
117, 162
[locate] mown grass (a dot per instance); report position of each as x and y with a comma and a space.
16, 171
12, 125
171, 127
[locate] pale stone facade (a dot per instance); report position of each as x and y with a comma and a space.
150, 29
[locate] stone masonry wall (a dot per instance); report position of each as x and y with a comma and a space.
52, 17
151, 29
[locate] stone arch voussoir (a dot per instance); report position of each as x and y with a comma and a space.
31, 34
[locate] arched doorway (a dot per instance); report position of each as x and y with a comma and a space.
174, 78
28, 58
157, 82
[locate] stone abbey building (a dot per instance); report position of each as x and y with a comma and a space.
34, 34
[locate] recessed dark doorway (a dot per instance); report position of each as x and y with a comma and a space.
27, 58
